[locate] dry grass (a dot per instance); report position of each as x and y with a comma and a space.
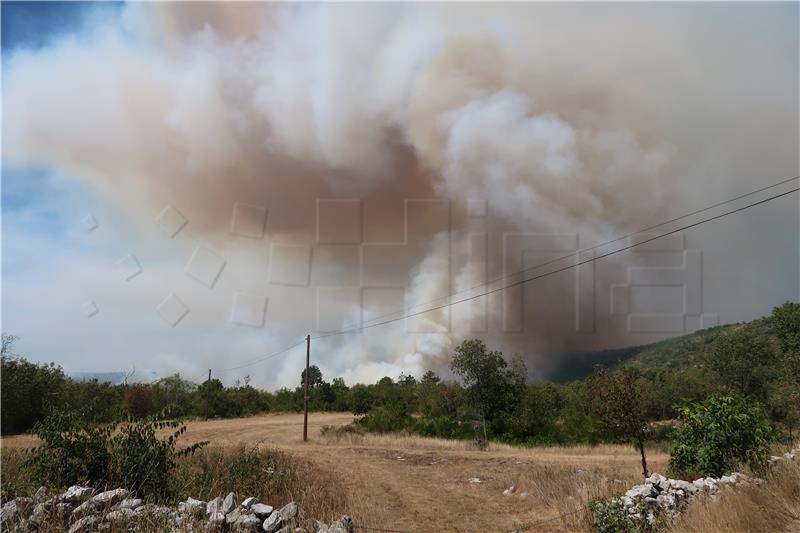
412, 483
273, 476
769, 508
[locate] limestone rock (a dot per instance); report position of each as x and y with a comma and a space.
248, 523
130, 503
229, 503
77, 494
272, 523
213, 506
120, 516
343, 525
87, 523
248, 502
111, 497
261, 510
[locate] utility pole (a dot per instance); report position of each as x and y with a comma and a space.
208, 393
305, 397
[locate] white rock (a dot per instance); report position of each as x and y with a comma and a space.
229, 503
120, 516
130, 503
343, 525
111, 497
87, 523
290, 511
233, 516
261, 510
76, 494
640, 491
248, 523
213, 506
248, 502
272, 523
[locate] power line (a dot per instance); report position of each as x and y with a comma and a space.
360, 326
562, 269
549, 273
262, 359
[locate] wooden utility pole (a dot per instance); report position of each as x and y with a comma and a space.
305, 397
208, 393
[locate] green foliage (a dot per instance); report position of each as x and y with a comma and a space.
617, 400
786, 321
493, 387
386, 418
315, 377
74, 450
719, 435
27, 391
442, 427
745, 362
609, 516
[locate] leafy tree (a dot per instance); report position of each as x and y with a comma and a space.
618, 401
315, 376
744, 361
175, 393
493, 388
718, 435
786, 321
27, 390
139, 400
535, 419
361, 399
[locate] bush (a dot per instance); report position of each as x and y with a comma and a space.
386, 418
719, 435
27, 390
609, 516
442, 427
76, 451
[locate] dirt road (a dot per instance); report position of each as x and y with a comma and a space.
422, 485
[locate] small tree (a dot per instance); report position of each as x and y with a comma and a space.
315, 376
139, 400
618, 401
492, 386
744, 361
718, 435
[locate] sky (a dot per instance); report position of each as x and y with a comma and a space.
200, 186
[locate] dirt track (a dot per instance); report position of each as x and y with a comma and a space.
423, 484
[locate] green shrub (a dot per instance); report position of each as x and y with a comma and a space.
27, 390
386, 418
76, 451
719, 435
442, 427
609, 516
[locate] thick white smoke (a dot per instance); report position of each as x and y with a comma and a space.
557, 115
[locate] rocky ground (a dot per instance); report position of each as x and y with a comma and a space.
661, 496
81, 509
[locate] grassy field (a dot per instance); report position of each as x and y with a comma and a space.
419, 484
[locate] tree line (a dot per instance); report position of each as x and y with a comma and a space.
758, 362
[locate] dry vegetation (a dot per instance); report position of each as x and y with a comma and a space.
412, 483
769, 508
